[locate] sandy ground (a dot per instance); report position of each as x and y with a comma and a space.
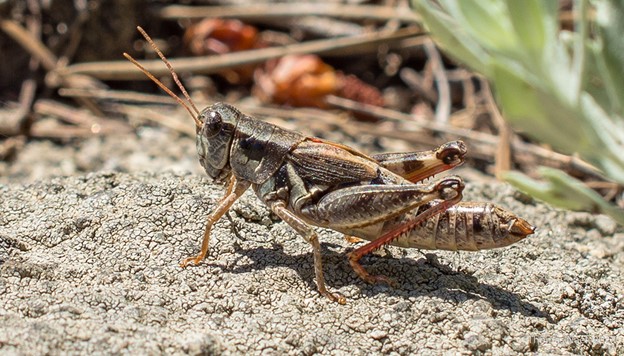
89, 264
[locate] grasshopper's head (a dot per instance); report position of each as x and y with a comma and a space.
214, 138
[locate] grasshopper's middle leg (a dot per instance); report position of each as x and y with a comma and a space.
308, 233
235, 189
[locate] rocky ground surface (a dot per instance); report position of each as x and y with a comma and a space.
89, 264
92, 229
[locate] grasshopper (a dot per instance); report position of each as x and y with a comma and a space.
308, 182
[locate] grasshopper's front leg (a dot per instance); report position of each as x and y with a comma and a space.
235, 189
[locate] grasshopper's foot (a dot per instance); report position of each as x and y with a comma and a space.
374, 279
352, 239
367, 277
192, 260
335, 297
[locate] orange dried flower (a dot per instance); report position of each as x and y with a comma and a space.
305, 80
297, 80
218, 36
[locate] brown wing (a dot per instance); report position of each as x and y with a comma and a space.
330, 164
351, 150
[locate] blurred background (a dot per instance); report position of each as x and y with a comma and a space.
532, 87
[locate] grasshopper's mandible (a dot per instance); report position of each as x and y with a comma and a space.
308, 182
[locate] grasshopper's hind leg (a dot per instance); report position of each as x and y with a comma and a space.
358, 207
388, 237
416, 166
309, 235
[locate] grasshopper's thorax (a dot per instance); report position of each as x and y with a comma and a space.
259, 149
229, 142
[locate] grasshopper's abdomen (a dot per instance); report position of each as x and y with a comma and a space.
466, 226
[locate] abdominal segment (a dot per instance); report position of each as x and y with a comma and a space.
465, 226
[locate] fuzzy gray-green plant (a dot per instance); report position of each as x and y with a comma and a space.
563, 88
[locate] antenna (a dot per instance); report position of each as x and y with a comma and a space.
173, 74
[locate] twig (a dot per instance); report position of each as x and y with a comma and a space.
502, 159
116, 95
13, 122
10, 146
326, 27
10, 119
443, 107
28, 42
65, 113
469, 90
57, 131
29, 85
84, 124
272, 10
141, 113
415, 81
123, 70
144, 114
348, 126
187, 128
393, 115
74, 31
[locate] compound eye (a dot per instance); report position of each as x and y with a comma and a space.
451, 155
213, 123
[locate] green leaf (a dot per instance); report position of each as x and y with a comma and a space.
487, 21
609, 15
452, 38
564, 191
563, 88
529, 20
536, 110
